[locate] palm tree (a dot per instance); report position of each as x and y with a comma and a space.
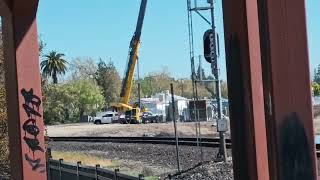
53, 64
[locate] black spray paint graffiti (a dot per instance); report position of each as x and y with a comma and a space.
31, 130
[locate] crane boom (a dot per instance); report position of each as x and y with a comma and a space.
133, 57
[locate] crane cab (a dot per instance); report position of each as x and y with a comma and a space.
128, 114
133, 116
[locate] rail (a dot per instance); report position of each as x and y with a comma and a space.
205, 142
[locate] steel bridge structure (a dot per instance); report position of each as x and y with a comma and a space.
268, 81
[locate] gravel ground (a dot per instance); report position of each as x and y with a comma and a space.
128, 130
209, 171
4, 172
158, 160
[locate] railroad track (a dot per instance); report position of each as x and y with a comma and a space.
205, 142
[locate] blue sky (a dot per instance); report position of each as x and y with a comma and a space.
103, 28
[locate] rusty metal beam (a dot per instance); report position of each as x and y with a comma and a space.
3, 7
247, 118
287, 89
26, 128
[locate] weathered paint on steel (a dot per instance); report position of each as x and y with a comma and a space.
26, 128
248, 131
287, 89
3, 7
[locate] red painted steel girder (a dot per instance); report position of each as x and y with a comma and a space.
3, 7
21, 51
283, 54
247, 116
287, 95
287, 89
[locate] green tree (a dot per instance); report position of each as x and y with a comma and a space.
70, 101
211, 87
109, 80
316, 89
53, 65
156, 82
56, 101
183, 87
316, 77
224, 89
159, 81
203, 91
135, 91
89, 97
148, 86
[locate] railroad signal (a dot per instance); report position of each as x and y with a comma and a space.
209, 46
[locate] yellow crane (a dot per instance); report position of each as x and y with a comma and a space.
132, 112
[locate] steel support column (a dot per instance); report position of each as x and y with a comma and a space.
287, 89
21, 51
247, 118
3, 7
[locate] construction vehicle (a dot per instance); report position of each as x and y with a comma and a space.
132, 112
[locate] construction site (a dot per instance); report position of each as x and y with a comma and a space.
211, 90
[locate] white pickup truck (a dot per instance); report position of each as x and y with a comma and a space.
106, 117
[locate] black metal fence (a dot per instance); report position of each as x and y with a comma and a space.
59, 170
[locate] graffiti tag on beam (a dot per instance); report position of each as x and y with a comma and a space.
31, 106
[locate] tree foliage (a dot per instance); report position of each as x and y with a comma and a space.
159, 81
200, 73
83, 68
156, 82
108, 79
71, 100
224, 89
53, 65
316, 89
316, 77
42, 46
211, 86
94, 86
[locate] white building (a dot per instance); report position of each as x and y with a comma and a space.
316, 100
154, 105
158, 103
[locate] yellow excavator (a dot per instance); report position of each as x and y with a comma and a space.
132, 112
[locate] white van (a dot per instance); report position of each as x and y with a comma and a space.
106, 117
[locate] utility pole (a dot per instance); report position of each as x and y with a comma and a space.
175, 126
139, 94
200, 69
211, 55
215, 71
